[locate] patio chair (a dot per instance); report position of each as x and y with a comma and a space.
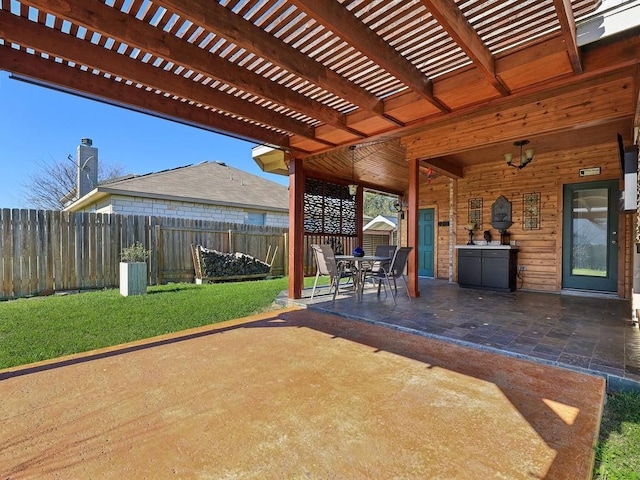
327, 266
391, 272
381, 251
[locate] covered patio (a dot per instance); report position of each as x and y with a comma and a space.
586, 334
423, 100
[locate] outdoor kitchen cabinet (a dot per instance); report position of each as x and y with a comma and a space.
490, 267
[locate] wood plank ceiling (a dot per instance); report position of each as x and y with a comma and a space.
308, 76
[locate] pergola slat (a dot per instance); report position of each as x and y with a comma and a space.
329, 74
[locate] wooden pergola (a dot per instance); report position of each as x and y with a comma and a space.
437, 84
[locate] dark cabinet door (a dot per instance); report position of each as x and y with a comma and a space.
493, 269
469, 268
495, 272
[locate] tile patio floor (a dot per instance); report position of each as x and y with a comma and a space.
587, 334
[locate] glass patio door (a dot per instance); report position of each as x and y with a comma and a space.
590, 236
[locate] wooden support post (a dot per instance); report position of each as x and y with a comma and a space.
296, 228
412, 226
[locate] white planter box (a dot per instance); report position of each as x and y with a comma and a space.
133, 278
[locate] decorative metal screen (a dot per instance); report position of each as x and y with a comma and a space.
329, 209
531, 211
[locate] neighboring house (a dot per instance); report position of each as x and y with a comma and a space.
205, 191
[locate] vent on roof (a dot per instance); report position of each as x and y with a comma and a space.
221, 164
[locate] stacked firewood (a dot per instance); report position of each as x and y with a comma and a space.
218, 264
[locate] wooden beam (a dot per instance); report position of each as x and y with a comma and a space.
636, 119
219, 19
43, 39
97, 16
589, 103
120, 94
440, 165
457, 26
597, 60
568, 28
333, 178
413, 235
342, 22
296, 228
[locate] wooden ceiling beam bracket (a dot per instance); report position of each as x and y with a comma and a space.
443, 167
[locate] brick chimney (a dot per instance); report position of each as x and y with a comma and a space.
87, 167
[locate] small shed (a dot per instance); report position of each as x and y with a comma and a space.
381, 230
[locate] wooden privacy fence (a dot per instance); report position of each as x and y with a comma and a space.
340, 243
42, 251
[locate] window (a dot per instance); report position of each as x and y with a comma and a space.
255, 219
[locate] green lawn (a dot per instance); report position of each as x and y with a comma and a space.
48, 327
618, 450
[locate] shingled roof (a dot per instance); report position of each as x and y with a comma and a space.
213, 183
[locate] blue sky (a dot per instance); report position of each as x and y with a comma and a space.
40, 124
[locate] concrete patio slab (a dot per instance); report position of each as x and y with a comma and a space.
296, 394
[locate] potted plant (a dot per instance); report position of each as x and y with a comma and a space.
133, 270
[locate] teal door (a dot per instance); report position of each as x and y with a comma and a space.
426, 241
590, 236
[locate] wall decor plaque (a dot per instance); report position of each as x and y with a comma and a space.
531, 211
475, 212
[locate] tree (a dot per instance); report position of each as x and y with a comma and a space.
375, 204
47, 187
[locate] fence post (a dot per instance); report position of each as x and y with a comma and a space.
285, 253
231, 241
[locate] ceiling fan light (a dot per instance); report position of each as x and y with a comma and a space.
508, 157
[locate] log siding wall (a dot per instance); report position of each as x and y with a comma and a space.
539, 250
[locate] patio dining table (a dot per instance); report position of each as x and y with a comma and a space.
361, 265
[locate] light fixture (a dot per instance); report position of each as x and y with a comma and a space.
353, 186
397, 206
471, 227
525, 158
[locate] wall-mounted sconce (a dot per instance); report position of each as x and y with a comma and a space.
397, 206
525, 157
353, 186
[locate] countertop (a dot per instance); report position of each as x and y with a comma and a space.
490, 247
